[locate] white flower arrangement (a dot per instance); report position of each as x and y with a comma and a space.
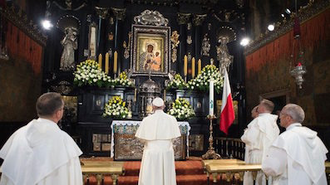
88, 73
201, 82
177, 83
116, 108
181, 109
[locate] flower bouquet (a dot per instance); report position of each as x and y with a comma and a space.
177, 83
88, 73
181, 109
202, 81
122, 80
116, 108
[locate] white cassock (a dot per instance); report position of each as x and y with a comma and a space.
40, 153
296, 157
157, 131
259, 135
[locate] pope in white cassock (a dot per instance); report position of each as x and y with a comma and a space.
157, 132
40, 153
297, 156
259, 135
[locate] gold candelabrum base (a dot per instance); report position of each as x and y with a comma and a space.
211, 154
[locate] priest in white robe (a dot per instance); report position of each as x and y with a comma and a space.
40, 153
297, 156
157, 132
258, 136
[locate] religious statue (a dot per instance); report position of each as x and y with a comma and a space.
206, 46
175, 42
225, 59
70, 44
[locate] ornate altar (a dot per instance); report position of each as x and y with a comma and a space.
124, 145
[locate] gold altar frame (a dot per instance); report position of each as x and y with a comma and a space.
159, 38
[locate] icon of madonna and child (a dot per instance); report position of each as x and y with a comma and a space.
150, 59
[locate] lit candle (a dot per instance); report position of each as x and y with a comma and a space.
107, 63
100, 61
211, 103
199, 66
115, 62
193, 67
185, 65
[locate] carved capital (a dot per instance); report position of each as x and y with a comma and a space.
198, 19
102, 12
120, 13
183, 18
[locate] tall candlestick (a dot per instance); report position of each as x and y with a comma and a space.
199, 66
100, 61
193, 67
107, 63
211, 103
115, 62
185, 65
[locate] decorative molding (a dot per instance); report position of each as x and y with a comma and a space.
183, 18
22, 22
102, 12
149, 17
120, 13
281, 28
198, 19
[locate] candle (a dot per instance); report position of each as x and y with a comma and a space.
193, 67
211, 103
185, 65
115, 62
100, 61
135, 93
199, 66
107, 63
164, 95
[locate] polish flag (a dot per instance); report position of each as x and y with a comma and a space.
227, 109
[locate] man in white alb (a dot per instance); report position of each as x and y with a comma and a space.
157, 132
259, 135
297, 156
40, 153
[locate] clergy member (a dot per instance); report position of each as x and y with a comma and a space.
297, 156
40, 152
157, 132
258, 136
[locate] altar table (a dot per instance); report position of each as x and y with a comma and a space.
124, 145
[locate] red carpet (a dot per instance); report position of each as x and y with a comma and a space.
189, 172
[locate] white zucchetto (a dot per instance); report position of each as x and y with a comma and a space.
158, 102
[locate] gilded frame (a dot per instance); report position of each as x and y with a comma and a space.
159, 38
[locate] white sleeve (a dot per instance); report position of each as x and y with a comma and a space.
250, 135
275, 161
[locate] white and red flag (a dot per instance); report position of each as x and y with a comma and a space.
227, 109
